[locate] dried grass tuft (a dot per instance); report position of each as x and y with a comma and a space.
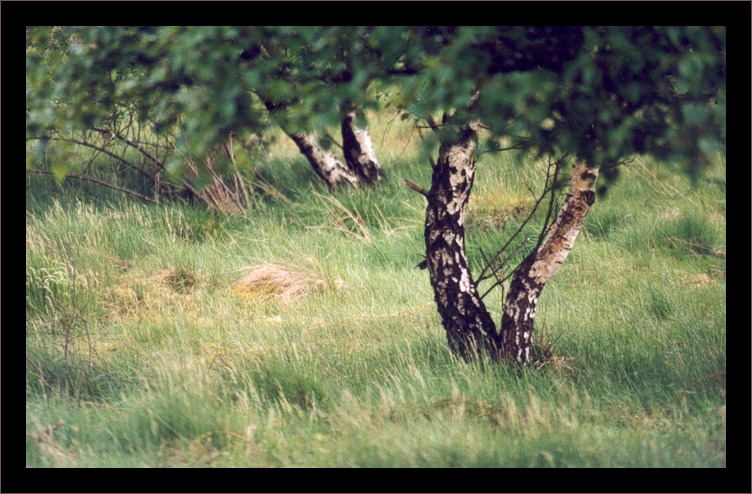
276, 283
494, 211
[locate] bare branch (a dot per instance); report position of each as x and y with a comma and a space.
417, 188
108, 153
503, 263
501, 281
407, 143
388, 126
557, 166
519, 247
623, 162
517, 232
498, 278
134, 145
99, 182
328, 136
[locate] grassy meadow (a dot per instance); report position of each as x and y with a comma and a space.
301, 334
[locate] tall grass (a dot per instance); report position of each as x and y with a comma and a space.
143, 350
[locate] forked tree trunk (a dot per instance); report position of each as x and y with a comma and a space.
470, 329
358, 149
469, 326
331, 170
516, 336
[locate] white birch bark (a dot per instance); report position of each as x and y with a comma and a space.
536, 270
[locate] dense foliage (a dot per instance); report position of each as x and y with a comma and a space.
602, 93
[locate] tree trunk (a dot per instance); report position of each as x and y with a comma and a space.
516, 335
331, 170
470, 329
358, 149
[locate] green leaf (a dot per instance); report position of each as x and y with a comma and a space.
59, 170
708, 147
175, 167
695, 113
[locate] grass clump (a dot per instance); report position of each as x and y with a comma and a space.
270, 282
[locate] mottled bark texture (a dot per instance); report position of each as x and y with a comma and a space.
469, 327
358, 149
327, 166
516, 334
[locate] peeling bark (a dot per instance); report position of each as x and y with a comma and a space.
358, 149
516, 336
469, 326
331, 170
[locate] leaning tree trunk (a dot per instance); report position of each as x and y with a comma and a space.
357, 147
470, 329
331, 170
516, 334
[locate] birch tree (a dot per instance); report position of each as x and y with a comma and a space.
177, 95
594, 94
598, 95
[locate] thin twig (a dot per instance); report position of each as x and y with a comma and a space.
108, 153
388, 126
99, 182
430, 158
328, 136
134, 145
692, 385
557, 166
36, 367
498, 278
502, 280
517, 232
546, 189
409, 138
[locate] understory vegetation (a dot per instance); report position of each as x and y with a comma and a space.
302, 333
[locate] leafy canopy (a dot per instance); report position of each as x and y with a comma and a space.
601, 93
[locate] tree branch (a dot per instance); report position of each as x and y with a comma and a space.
514, 235
417, 188
134, 145
557, 166
329, 136
99, 182
108, 153
503, 263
